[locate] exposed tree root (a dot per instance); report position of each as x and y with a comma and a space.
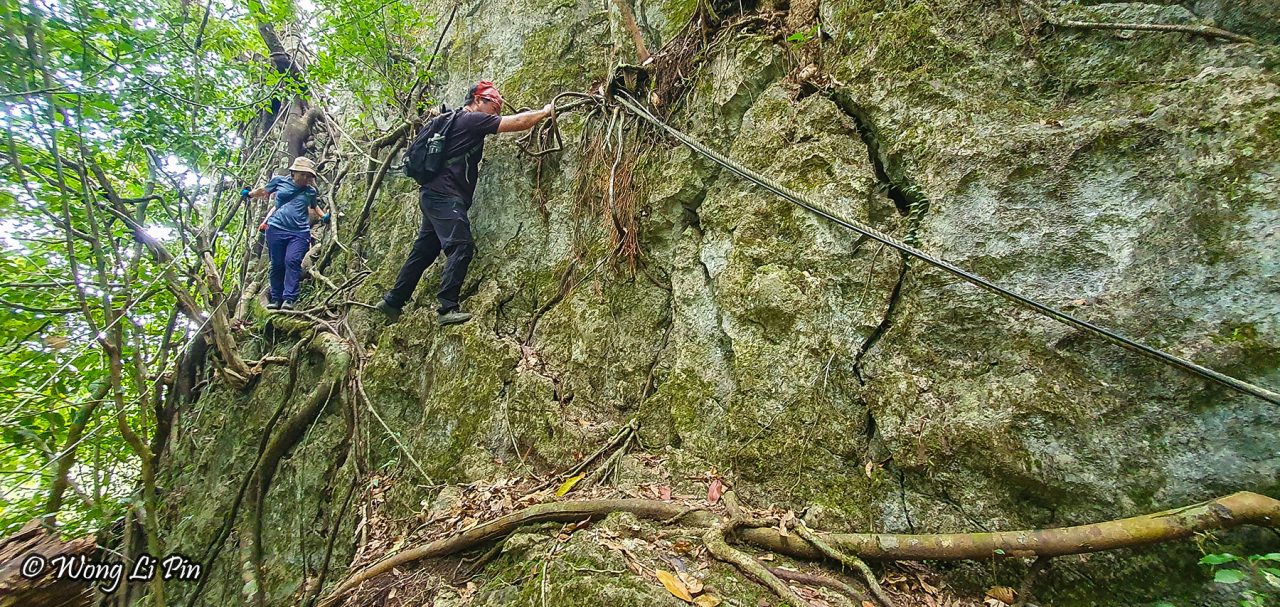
620, 438
1243, 508
714, 540
1198, 30
604, 472
337, 357
629, 21
809, 579
234, 369
271, 449
541, 513
848, 560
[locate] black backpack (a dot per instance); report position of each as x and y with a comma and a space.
425, 158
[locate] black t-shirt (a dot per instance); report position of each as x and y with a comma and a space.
467, 131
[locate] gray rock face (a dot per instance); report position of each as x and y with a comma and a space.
1130, 179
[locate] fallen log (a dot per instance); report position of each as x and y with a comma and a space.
17, 590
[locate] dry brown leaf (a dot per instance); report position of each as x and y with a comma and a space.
868, 604
714, 491
707, 600
468, 592
784, 521
1004, 594
692, 583
674, 586
664, 493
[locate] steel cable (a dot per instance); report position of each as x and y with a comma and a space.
799, 200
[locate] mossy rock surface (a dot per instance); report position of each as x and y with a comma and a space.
1131, 180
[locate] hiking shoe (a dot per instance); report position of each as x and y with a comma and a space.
287, 305
455, 317
392, 312
273, 305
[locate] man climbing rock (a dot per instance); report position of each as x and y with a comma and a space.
446, 198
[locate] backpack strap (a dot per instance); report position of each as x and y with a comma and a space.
462, 156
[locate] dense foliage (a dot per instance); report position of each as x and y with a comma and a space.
129, 130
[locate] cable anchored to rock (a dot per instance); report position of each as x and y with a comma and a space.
808, 204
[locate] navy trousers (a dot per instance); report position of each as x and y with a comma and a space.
445, 227
287, 250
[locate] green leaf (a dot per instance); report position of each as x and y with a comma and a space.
567, 486
1218, 559
1271, 556
1164, 604
1228, 576
1271, 575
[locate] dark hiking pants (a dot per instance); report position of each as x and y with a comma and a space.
444, 227
287, 250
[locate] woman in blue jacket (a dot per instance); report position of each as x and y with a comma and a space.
288, 227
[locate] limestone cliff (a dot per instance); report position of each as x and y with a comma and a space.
1128, 177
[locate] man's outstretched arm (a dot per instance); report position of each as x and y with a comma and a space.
524, 120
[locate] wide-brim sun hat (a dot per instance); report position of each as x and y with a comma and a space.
304, 165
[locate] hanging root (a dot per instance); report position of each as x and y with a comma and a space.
607, 188
1234, 510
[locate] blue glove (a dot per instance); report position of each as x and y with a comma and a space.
325, 219
244, 193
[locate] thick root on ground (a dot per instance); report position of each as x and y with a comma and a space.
848, 560
714, 539
1234, 510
